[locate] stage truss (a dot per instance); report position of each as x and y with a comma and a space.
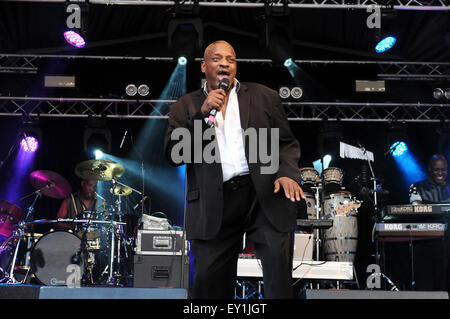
159, 109
305, 4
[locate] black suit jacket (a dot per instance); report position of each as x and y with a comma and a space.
260, 107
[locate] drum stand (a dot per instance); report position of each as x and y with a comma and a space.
318, 207
19, 232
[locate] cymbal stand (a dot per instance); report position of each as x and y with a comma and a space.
18, 233
318, 207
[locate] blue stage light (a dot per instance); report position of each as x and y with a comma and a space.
385, 44
182, 60
288, 62
398, 148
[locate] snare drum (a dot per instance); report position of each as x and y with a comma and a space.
51, 255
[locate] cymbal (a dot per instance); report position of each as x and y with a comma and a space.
10, 213
121, 190
60, 187
100, 170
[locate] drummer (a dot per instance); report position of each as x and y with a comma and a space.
74, 205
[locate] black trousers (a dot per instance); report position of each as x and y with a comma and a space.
215, 260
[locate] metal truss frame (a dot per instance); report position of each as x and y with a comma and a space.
325, 4
389, 70
159, 109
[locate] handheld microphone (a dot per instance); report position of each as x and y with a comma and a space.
123, 138
224, 84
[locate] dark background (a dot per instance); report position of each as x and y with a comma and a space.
36, 28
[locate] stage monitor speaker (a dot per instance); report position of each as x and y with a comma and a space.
49, 292
371, 294
154, 271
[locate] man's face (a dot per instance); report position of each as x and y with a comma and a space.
89, 188
438, 172
219, 63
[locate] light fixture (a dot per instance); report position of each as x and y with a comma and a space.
29, 144
438, 93
284, 92
296, 92
398, 148
447, 93
143, 90
182, 60
97, 136
131, 90
385, 44
76, 22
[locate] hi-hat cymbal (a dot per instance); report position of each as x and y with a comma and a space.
10, 213
121, 190
59, 186
100, 170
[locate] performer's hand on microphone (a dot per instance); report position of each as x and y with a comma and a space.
214, 100
292, 190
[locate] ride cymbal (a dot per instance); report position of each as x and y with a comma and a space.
100, 170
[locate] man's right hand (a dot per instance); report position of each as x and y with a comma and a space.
214, 100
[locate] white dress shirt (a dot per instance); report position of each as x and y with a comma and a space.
230, 139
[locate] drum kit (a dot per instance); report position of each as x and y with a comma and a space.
327, 199
97, 243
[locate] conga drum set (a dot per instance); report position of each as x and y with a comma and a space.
96, 242
327, 199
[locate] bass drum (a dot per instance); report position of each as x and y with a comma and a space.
51, 255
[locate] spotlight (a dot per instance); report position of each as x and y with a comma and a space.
76, 22
98, 154
447, 94
385, 44
296, 92
398, 148
397, 138
182, 60
284, 92
30, 134
143, 90
288, 62
97, 136
185, 35
29, 144
131, 90
326, 161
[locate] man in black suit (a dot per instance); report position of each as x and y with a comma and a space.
239, 193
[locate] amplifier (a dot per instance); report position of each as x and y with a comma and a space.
161, 271
160, 242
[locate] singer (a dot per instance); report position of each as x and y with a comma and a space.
233, 197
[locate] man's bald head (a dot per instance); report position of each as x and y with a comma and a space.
209, 48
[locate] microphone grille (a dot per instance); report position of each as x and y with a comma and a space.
224, 84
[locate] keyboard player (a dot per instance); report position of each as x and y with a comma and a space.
431, 257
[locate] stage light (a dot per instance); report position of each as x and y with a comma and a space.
98, 154
398, 148
29, 144
288, 62
74, 39
284, 92
447, 94
76, 22
185, 35
385, 44
326, 161
182, 60
131, 90
97, 136
296, 92
143, 90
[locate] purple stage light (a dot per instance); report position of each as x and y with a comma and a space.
74, 39
29, 144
